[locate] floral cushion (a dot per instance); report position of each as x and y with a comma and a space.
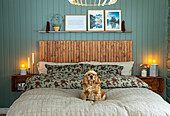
53, 69
102, 70
112, 81
72, 82
53, 81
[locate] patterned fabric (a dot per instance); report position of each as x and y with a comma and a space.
103, 70
59, 80
112, 81
53, 69
66, 81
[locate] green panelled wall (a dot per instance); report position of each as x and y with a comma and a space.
20, 21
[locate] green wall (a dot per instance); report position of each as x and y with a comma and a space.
20, 21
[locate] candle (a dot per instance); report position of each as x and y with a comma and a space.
28, 62
33, 58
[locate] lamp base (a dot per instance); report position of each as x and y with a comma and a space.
23, 72
153, 70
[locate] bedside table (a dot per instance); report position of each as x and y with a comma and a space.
15, 79
157, 83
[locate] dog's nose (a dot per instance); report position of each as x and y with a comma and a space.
91, 77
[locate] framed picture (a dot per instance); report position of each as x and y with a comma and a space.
20, 85
113, 20
76, 23
95, 20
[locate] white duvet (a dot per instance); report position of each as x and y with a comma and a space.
67, 102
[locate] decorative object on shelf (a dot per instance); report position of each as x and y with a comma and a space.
33, 62
48, 27
123, 26
20, 85
23, 70
28, 65
57, 21
144, 70
56, 27
75, 23
95, 20
92, 2
113, 20
154, 69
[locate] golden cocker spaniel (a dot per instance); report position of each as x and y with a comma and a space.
91, 87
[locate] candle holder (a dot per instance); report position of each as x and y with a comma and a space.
33, 68
29, 71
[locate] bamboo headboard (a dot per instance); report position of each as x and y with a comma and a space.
78, 51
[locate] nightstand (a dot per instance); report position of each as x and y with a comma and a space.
157, 83
18, 79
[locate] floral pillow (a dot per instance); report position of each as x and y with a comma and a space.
53, 81
118, 81
56, 81
103, 70
65, 69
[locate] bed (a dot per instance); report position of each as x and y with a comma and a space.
57, 90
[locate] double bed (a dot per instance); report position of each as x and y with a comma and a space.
57, 90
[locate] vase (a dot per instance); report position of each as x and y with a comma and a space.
56, 28
144, 73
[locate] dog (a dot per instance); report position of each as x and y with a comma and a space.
91, 87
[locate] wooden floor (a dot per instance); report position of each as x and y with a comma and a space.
2, 114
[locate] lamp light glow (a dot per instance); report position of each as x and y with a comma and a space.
23, 65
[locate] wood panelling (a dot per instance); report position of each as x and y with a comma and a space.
20, 21
100, 51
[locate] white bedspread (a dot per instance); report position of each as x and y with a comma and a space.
67, 102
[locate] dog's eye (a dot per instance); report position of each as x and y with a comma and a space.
88, 74
93, 74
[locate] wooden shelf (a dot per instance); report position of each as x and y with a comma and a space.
18, 79
157, 83
86, 32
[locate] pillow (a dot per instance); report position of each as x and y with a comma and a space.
102, 70
117, 81
56, 81
42, 69
127, 66
65, 69
52, 81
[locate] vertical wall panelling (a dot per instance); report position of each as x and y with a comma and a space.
34, 28
20, 21
1, 40
168, 59
1, 46
144, 31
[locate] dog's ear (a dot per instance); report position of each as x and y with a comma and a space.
97, 80
85, 79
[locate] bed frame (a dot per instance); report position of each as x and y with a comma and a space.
78, 51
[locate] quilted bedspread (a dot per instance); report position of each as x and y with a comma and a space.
67, 102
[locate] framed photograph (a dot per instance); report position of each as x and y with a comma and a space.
113, 20
76, 23
95, 20
20, 85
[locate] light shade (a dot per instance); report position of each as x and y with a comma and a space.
92, 2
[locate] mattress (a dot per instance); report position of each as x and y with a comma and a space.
67, 102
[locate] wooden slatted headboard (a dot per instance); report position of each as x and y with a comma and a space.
78, 51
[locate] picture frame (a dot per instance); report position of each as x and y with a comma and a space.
20, 85
96, 20
113, 20
75, 23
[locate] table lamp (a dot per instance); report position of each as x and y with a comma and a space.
153, 69
23, 70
